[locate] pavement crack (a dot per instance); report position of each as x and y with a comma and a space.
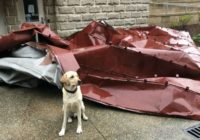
98, 130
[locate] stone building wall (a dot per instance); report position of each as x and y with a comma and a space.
73, 15
11, 15
68, 16
170, 12
50, 14
13, 19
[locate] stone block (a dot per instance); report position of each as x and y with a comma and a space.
113, 15
142, 7
94, 9
144, 14
134, 2
101, 2
73, 2
87, 2
141, 21
125, 15
81, 9
59, 2
119, 8
131, 8
101, 16
135, 14
74, 17
107, 8
125, 1
67, 26
66, 10
119, 22
113, 2
88, 17
129, 22
62, 33
144, 1
61, 18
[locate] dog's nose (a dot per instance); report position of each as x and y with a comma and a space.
79, 82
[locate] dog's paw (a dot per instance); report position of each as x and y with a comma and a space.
69, 120
62, 132
85, 118
79, 130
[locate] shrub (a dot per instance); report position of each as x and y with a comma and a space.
196, 38
184, 19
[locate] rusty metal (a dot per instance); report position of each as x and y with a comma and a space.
146, 70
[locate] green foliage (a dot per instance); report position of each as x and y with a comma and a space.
185, 19
174, 24
196, 38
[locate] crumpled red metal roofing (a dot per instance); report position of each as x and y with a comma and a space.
27, 33
146, 69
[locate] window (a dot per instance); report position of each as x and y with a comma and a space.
31, 10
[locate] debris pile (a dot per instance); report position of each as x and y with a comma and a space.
146, 69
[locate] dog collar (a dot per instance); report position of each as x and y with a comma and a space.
71, 91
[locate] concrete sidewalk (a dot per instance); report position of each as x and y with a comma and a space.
35, 114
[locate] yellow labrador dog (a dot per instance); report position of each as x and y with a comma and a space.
72, 101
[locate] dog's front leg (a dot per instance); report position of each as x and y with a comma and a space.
83, 111
62, 131
79, 127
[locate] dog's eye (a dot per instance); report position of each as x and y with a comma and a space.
72, 77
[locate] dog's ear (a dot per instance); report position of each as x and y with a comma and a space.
79, 78
63, 79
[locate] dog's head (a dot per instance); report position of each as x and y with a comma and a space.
70, 80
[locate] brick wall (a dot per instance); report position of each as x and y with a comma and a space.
73, 15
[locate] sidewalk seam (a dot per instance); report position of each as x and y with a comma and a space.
98, 130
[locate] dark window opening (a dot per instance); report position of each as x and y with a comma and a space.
31, 10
